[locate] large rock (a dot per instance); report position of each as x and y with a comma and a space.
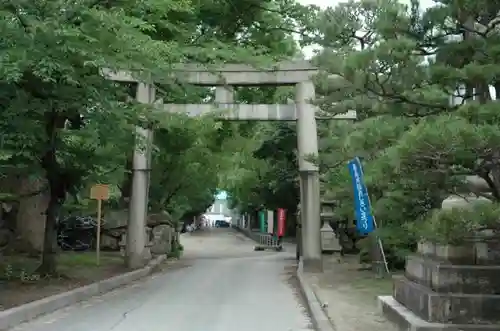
110, 243
467, 200
119, 218
159, 232
29, 211
162, 239
159, 218
115, 219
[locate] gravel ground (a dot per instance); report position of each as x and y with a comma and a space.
349, 295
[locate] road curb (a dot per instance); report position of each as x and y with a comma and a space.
319, 318
17, 315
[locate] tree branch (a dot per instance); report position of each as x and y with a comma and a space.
167, 199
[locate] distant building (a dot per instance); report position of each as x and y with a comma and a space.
220, 210
220, 206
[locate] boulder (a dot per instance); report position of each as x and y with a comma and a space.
162, 239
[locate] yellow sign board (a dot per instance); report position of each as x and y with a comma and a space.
99, 192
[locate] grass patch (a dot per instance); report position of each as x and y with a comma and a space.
370, 283
21, 284
68, 263
87, 259
347, 276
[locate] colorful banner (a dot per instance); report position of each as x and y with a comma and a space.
362, 208
270, 221
262, 221
281, 222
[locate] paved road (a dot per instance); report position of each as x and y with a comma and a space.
221, 284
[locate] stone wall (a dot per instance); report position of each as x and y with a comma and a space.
160, 233
30, 223
28, 212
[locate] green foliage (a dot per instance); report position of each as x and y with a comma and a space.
177, 251
185, 165
63, 121
397, 66
454, 226
268, 175
214, 154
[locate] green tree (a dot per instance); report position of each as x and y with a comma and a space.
51, 68
397, 66
263, 26
66, 123
50, 73
185, 165
256, 176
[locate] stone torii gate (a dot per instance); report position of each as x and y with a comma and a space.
224, 78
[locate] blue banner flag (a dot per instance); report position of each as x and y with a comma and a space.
362, 208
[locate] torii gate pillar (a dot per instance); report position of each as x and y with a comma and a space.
138, 206
307, 146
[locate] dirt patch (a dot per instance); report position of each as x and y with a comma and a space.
350, 294
19, 284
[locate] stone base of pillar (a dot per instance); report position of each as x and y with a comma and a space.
135, 261
312, 265
310, 219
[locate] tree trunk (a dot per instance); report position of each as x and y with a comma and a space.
53, 174
48, 266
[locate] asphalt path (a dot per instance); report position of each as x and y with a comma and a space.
220, 284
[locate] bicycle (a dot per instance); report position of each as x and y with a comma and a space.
77, 233
69, 243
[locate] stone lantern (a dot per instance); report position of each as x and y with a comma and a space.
329, 239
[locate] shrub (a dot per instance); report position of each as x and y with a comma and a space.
456, 225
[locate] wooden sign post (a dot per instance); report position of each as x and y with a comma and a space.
99, 192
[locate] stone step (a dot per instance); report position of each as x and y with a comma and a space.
447, 307
482, 252
444, 277
405, 320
